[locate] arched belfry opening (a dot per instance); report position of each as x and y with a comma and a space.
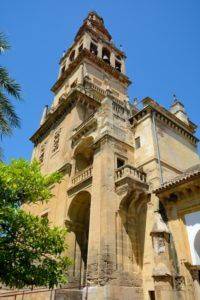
106, 55
83, 154
78, 226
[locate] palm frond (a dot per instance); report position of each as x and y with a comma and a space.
9, 84
4, 45
7, 109
5, 128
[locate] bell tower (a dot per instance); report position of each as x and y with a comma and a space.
93, 61
86, 134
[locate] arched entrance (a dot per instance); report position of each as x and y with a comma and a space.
132, 220
78, 225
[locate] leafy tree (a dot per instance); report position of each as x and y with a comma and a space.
8, 87
31, 252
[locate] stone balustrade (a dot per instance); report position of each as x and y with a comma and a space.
82, 176
128, 170
82, 125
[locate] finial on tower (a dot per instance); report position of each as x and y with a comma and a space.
177, 108
175, 98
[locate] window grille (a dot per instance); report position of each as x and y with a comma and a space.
56, 141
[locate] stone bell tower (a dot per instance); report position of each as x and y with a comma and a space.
86, 135
112, 156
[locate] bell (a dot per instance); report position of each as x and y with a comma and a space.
105, 57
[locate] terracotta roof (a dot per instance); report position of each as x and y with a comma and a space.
188, 175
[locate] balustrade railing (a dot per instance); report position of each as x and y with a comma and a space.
84, 123
128, 170
81, 176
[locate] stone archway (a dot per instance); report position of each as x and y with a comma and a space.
78, 226
129, 235
83, 154
132, 214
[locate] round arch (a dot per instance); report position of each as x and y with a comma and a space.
83, 154
78, 225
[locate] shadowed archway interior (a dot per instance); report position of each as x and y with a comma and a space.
79, 216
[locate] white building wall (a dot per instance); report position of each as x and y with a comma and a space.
193, 228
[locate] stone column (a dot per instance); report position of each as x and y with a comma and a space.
112, 59
162, 275
123, 69
101, 251
100, 46
101, 248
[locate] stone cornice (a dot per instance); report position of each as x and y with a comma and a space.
65, 105
96, 60
167, 118
107, 137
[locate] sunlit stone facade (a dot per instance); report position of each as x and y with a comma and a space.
126, 236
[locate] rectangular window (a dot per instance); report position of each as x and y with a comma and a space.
56, 140
42, 153
152, 295
120, 162
137, 143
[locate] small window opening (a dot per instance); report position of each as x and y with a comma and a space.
56, 141
80, 48
106, 55
118, 65
72, 56
152, 295
120, 162
137, 143
93, 49
42, 153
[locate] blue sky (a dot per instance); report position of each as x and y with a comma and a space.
161, 39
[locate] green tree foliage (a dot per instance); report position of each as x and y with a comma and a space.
31, 252
8, 88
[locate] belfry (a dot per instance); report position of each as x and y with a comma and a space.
129, 178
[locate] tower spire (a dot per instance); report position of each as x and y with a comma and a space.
94, 51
